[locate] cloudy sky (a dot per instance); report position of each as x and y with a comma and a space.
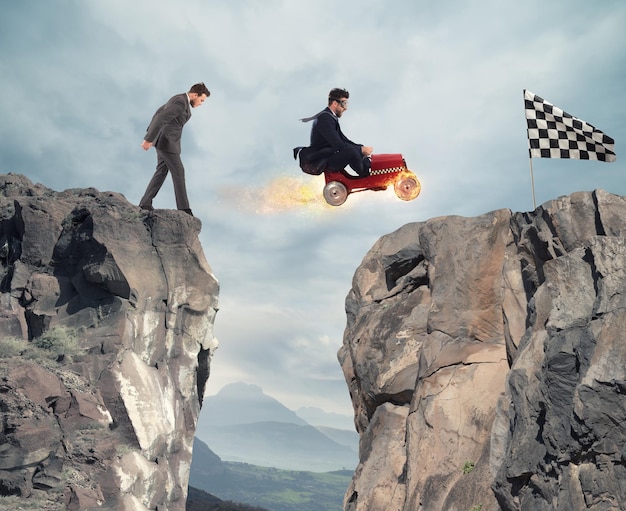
439, 82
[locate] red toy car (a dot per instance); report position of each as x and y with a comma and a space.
386, 170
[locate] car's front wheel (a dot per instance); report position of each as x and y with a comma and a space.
407, 186
335, 193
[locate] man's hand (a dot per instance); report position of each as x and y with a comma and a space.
367, 150
146, 145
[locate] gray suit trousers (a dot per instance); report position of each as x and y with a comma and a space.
173, 163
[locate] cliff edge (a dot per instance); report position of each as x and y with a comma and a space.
106, 336
486, 361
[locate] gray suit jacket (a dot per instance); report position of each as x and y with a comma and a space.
166, 126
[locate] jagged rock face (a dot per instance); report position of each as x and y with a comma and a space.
486, 360
106, 335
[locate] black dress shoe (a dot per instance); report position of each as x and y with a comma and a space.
146, 207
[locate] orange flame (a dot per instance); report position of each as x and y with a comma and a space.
282, 194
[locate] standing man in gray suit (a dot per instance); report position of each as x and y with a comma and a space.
164, 133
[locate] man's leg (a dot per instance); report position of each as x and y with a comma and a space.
349, 156
366, 163
155, 183
175, 165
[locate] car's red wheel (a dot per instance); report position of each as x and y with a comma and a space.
335, 193
407, 186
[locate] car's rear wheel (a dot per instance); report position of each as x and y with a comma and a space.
407, 186
335, 193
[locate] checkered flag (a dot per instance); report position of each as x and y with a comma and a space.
553, 133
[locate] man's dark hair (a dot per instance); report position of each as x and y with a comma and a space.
199, 89
337, 95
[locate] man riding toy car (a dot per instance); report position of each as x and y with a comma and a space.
331, 152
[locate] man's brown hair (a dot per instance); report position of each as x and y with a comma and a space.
337, 95
199, 89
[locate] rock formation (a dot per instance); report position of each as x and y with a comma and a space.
486, 361
106, 335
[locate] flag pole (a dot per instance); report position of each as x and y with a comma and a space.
532, 182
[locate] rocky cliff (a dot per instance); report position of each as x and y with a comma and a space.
106, 335
486, 360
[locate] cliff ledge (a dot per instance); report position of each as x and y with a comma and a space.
486, 361
106, 326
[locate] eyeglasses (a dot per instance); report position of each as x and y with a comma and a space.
342, 102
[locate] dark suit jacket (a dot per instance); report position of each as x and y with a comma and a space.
166, 126
326, 139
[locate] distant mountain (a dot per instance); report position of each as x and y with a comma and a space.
202, 454
243, 403
281, 445
318, 417
241, 423
341, 436
207, 466
268, 487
